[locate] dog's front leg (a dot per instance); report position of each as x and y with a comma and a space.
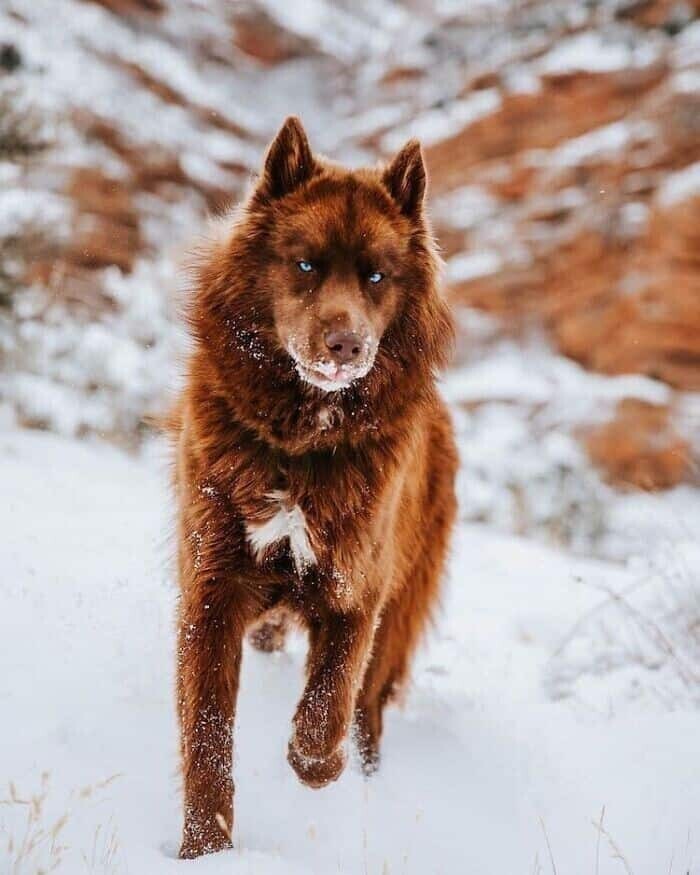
210, 639
339, 648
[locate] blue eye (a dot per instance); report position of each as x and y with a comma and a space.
305, 266
375, 277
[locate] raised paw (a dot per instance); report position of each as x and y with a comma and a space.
314, 771
318, 725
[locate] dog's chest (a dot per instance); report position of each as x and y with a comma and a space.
286, 524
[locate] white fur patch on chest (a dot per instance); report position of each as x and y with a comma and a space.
325, 418
287, 523
328, 417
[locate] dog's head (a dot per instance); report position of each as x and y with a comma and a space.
326, 283
339, 254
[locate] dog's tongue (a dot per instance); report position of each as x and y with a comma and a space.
329, 370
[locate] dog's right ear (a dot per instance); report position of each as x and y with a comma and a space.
288, 162
405, 178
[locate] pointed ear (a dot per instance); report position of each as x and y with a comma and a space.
405, 178
288, 162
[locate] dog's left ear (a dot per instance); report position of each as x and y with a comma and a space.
288, 162
405, 177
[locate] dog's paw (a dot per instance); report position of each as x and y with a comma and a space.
200, 840
269, 636
366, 734
313, 771
369, 760
192, 850
318, 728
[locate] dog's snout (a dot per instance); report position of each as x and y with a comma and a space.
344, 346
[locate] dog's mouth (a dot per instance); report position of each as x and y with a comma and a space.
330, 376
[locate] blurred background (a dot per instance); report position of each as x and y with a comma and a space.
562, 139
563, 144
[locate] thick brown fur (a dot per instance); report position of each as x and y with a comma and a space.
371, 467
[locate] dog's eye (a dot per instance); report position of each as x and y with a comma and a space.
375, 277
305, 266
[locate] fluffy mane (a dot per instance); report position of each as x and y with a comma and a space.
252, 379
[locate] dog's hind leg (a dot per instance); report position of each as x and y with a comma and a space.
407, 613
403, 621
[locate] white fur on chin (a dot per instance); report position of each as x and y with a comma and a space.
327, 376
323, 383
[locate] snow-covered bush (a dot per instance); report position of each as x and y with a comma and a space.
25, 129
80, 351
104, 374
642, 642
518, 407
521, 476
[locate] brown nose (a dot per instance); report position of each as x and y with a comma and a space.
344, 346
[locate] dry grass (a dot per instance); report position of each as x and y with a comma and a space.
615, 851
651, 626
37, 848
28, 243
549, 847
34, 845
24, 134
24, 131
103, 853
602, 832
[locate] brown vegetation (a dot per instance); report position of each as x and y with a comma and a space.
639, 448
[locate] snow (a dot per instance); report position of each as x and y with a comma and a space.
480, 762
530, 372
589, 51
105, 375
472, 265
679, 186
686, 82
649, 627
520, 80
687, 51
466, 207
598, 144
519, 410
21, 208
340, 33
58, 44
445, 121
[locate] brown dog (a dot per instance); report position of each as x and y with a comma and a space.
315, 461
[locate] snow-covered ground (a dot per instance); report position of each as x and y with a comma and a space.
501, 761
